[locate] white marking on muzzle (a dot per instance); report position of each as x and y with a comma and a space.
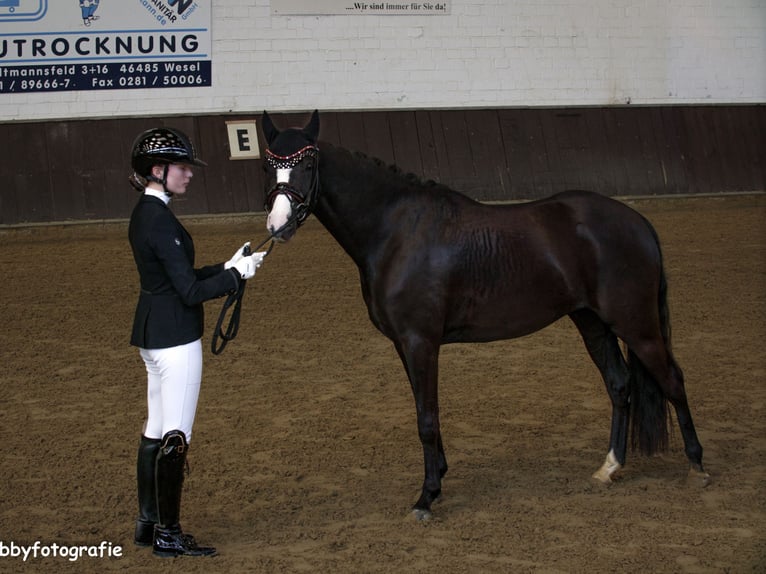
280, 213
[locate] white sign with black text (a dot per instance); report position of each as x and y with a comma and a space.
57, 45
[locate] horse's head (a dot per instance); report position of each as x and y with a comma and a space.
291, 164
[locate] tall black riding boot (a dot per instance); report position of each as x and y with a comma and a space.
147, 491
169, 539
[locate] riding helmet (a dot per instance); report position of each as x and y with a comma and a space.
162, 146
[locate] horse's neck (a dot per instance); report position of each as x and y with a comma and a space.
349, 207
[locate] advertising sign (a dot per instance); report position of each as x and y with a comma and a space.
64, 45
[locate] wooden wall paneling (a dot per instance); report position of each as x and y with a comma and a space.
730, 150
696, 151
377, 134
566, 144
351, 132
627, 144
751, 131
120, 196
66, 145
328, 128
68, 190
686, 146
8, 207
752, 125
713, 151
12, 182
454, 149
597, 166
100, 155
758, 131
550, 174
508, 123
618, 136
78, 169
689, 149
224, 180
429, 157
403, 128
669, 151
755, 124
521, 135
485, 142
545, 158
10, 211
739, 133
649, 163
95, 195
643, 165
13, 172
447, 172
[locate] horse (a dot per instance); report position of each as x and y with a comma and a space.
437, 267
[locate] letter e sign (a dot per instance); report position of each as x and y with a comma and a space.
243, 140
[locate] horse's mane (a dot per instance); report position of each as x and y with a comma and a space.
381, 166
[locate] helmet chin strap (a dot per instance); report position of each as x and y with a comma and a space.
162, 181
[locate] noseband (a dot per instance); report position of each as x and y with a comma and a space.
302, 204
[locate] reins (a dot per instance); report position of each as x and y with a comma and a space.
234, 299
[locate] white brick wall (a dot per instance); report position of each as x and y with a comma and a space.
494, 53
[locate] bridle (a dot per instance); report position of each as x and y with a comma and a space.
301, 205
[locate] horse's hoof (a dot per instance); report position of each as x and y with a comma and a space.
421, 514
698, 477
602, 479
607, 470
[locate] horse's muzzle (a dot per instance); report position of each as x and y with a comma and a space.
284, 234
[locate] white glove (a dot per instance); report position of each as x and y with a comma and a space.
237, 256
247, 264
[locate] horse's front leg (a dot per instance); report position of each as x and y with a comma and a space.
421, 361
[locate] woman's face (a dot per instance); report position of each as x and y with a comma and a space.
178, 178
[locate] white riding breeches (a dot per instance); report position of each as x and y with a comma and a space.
174, 379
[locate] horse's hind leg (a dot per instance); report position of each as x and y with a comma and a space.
604, 349
658, 360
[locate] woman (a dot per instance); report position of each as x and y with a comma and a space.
167, 329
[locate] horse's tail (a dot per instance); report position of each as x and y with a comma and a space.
648, 404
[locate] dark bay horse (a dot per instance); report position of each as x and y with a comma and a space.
437, 267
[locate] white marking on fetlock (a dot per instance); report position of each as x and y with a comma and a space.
610, 466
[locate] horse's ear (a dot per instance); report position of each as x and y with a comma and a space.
269, 130
312, 128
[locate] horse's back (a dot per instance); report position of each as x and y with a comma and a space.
523, 266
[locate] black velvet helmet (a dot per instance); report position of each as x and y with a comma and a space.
162, 146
